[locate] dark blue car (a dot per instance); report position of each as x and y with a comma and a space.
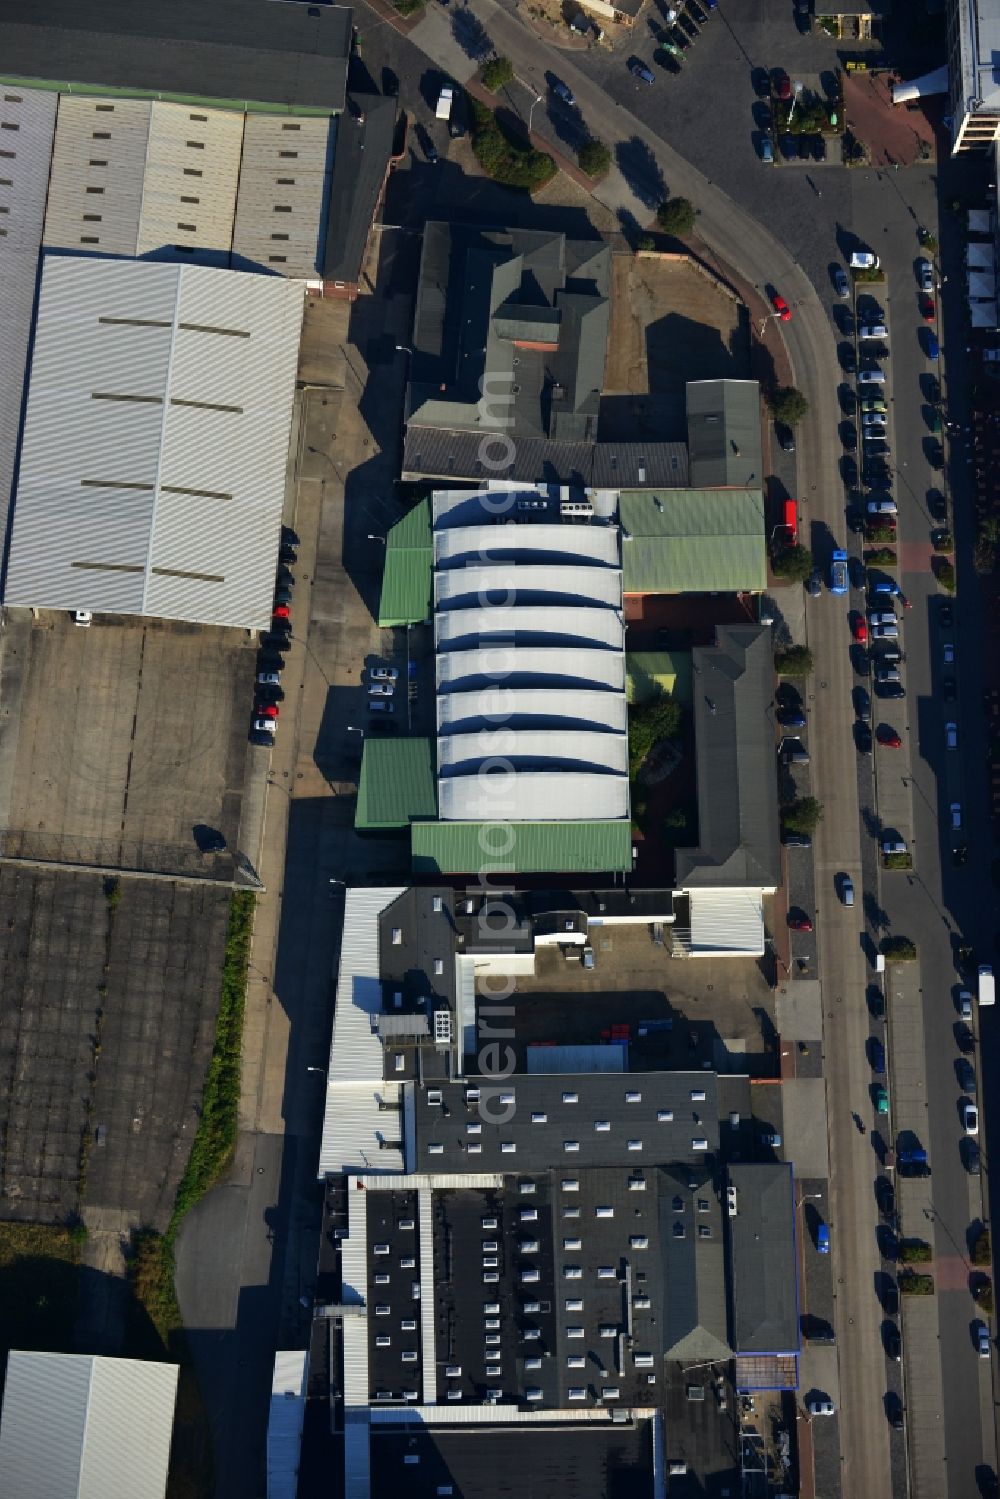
877, 1051
931, 344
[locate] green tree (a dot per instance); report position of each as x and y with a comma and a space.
794, 563
676, 216
594, 158
497, 72
506, 160
912, 1284
898, 950
794, 661
804, 815
984, 1297
645, 242
982, 1250
944, 571
648, 723
880, 557
915, 1252
787, 404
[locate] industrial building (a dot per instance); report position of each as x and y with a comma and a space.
574, 1243
83, 1427
153, 463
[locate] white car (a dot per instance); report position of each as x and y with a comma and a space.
874, 330
381, 689
885, 632
871, 377
925, 275
265, 726
820, 1406
951, 735
864, 260
885, 617
268, 678
874, 419
970, 1118
881, 507
384, 674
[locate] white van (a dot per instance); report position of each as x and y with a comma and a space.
987, 992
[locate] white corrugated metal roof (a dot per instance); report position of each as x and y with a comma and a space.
357, 1461
76, 1426
189, 189
284, 1423
355, 1324
283, 191
98, 164
156, 438
509, 581
428, 1343
494, 498
727, 923
533, 796
499, 662
490, 1414
583, 626
582, 746
596, 544
27, 118
354, 1250
353, 1122
501, 706
432, 1181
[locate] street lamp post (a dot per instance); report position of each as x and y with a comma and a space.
537, 100
320, 1070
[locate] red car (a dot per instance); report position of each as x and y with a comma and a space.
888, 737
800, 923
927, 311
266, 710
281, 611
781, 307
859, 628
782, 84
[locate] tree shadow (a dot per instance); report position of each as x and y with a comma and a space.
641, 171
471, 35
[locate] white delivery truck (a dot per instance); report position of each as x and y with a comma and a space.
987, 993
445, 100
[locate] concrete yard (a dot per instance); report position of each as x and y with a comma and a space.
654, 348
129, 736
633, 981
105, 1034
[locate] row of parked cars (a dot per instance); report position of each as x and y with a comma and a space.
268, 692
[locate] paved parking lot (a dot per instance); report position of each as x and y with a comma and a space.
121, 740
106, 1029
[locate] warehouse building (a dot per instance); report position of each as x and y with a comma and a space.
153, 462
79, 1425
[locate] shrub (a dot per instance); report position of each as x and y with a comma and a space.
645, 242
794, 661
984, 1299
944, 571
804, 815
982, 1250
880, 557
505, 160
897, 861
912, 1284
984, 555
883, 532
794, 563
929, 241
497, 72
870, 275
898, 950
676, 216
915, 1252
408, 7
648, 723
787, 404
944, 541
594, 158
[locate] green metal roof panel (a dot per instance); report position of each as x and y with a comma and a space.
397, 784
693, 541
650, 672
521, 847
409, 563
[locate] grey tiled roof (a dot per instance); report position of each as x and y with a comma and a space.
762, 1259
442, 453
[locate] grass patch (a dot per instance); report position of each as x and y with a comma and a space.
880, 557
39, 1272
794, 661
506, 160
216, 1135
899, 950
915, 1252
913, 1284
897, 861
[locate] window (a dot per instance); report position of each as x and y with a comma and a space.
633, 1097
491, 1308
532, 1394
576, 1361
531, 1334
399, 1061
490, 1277
439, 965
196, 200
282, 208
641, 1303
490, 1246
382, 1279
526, 1188
406, 1225
678, 1230
94, 162
532, 1363
604, 1212
602, 1125
678, 1204
438, 902
576, 1392
530, 1307
489, 1223
575, 1332
475, 1148
530, 1276
529, 1246
638, 1241
381, 1249
635, 1145
195, 145
202, 119
506, 1098
611, 1392
383, 1341
88, 218
382, 1310
539, 1118
643, 1360
473, 1129
435, 1149
699, 1144
637, 1184
574, 1303
528, 1215
289, 126
697, 1095
193, 172
105, 109
408, 1324
704, 1231
491, 1324
288, 153
571, 1098
571, 1145
492, 1340
407, 1262
95, 189
397, 936
507, 1147
572, 1272
572, 1243
704, 1205
664, 1116
606, 1272
190, 228
434, 1095
100, 135
471, 1094
608, 1330
573, 1212
571, 1184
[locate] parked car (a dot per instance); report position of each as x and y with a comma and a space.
863, 738
927, 309
881, 1101
876, 419
970, 1117
639, 70
891, 1342
881, 507
766, 152
838, 571
381, 689
268, 678
796, 840
885, 1196
381, 705
841, 285
890, 689
859, 628
862, 704
873, 330
871, 377
876, 1052
818, 148
791, 718
785, 436
820, 1406
931, 348
888, 737
782, 84
949, 689
264, 726
956, 816
781, 307
799, 924
564, 92
892, 845
384, 674
982, 1340
948, 653
864, 260
822, 1239
951, 736
845, 889
925, 275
